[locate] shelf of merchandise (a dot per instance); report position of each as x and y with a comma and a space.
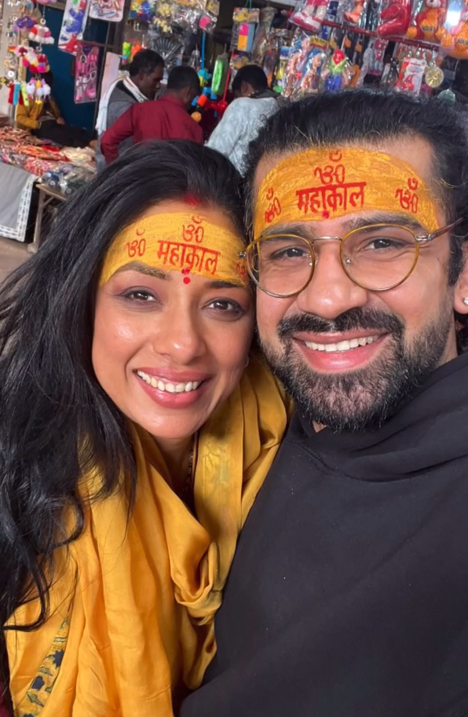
372, 33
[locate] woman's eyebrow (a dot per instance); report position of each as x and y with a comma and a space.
144, 269
224, 285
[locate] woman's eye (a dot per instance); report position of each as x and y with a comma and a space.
224, 306
140, 295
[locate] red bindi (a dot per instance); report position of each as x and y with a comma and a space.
191, 200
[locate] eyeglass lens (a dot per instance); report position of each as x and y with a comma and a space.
376, 258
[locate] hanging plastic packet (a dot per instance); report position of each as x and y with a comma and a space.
281, 74
311, 77
86, 65
108, 10
262, 36
309, 15
353, 11
411, 75
73, 25
245, 21
209, 18
297, 62
186, 14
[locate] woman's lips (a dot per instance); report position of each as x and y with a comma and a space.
171, 394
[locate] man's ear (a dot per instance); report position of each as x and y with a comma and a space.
460, 302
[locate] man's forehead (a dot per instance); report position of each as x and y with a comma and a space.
415, 151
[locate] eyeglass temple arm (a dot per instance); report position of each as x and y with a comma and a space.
430, 237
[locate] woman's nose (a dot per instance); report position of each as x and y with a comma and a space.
330, 292
179, 336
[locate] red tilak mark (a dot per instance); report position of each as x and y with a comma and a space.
186, 278
191, 200
326, 215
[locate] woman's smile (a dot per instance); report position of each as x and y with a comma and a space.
173, 394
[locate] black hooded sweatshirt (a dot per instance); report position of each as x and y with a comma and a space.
348, 595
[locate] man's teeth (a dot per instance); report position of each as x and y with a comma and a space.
169, 387
342, 345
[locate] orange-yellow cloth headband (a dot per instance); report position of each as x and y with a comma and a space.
184, 242
321, 184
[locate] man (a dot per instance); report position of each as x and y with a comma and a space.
145, 73
166, 118
348, 594
242, 121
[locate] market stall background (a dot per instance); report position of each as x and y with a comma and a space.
304, 47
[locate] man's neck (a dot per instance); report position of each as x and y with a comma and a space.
173, 94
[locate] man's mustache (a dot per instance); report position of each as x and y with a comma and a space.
352, 320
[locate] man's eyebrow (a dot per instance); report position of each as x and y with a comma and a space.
144, 269
308, 229
300, 228
403, 220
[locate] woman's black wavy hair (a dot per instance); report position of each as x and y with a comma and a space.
50, 399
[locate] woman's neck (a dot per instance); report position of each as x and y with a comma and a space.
177, 456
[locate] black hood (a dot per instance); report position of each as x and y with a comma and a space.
427, 433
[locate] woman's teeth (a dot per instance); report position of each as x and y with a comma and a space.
169, 387
342, 345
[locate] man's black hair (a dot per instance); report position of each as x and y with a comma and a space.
183, 76
145, 61
253, 75
366, 117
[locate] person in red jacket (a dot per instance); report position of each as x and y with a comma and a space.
166, 118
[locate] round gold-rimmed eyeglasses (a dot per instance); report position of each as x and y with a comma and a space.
377, 257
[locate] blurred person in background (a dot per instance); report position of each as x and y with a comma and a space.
44, 120
141, 84
244, 117
166, 118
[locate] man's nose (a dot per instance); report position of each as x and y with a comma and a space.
330, 292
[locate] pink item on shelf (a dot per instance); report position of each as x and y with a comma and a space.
86, 74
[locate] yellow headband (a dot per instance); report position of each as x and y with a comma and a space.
184, 242
321, 184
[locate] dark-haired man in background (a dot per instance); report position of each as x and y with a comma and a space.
166, 118
141, 84
254, 103
349, 590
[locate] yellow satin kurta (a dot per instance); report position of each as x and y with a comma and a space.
141, 594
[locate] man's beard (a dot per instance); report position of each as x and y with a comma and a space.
366, 397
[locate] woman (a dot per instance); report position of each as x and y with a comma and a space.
130, 452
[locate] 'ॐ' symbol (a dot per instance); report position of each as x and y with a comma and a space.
186, 278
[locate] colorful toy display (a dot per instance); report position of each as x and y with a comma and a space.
86, 66
310, 14
429, 21
395, 18
337, 73
109, 10
353, 16
454, 39
41, 34
73, 25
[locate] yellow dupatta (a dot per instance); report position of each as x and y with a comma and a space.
135, 600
